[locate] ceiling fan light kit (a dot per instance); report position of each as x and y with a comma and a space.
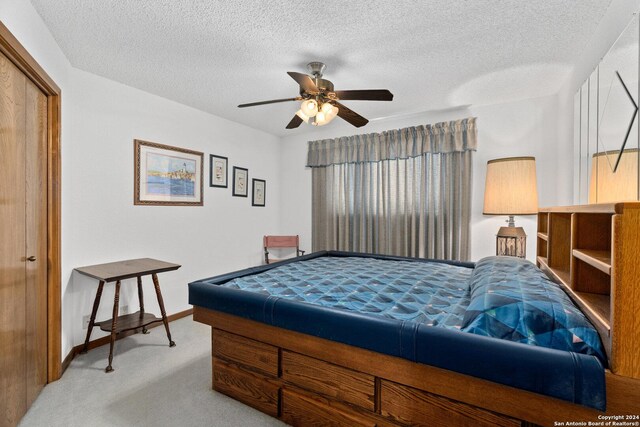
320, 102
309, 107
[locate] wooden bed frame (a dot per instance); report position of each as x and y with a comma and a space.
305, 380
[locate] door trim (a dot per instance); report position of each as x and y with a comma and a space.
19, 56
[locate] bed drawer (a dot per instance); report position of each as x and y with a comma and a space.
247, 352
330, 380
408, 405
249, 388
299, 410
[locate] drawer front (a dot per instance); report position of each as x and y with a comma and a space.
408, 405
299, 410
246, 387
330, 380
250, 353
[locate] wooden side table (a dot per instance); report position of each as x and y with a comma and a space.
115, 272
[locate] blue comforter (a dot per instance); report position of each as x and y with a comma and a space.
502, 297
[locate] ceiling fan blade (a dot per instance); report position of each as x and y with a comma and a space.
350, 116
305, 82
273, 101
295, 122
364, 95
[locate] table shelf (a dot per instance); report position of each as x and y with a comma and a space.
128, 322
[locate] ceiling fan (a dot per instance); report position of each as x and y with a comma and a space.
320, 102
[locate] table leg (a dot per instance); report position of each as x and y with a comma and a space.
141, 300
114, 322
156, 284
96, 303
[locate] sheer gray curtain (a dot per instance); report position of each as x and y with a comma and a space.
402, 192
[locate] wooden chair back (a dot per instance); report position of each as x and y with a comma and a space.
292, 242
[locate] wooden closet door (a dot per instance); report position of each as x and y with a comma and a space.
12, 244
23, 243
36, 241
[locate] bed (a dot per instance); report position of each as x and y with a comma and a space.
351, 339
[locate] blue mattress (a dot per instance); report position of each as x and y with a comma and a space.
429, 293
444, 314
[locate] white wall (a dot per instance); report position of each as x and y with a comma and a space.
519, 128
223, 235
100, 119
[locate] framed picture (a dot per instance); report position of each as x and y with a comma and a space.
218, 171
259, 187
240, 182
166, 176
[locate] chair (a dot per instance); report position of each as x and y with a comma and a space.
280, 242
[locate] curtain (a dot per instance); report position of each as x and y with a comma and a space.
402, 192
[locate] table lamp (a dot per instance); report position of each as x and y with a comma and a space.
609, 183
510, 189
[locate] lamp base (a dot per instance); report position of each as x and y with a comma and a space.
511, 241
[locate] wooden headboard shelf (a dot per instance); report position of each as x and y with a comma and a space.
592, 252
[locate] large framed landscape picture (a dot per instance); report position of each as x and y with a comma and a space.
166, 175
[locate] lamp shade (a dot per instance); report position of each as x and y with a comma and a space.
510, 187
607, 186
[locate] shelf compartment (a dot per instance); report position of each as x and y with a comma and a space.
559, 256
597, 307
592, 231
543, 236
542, 247
599, 304
587, 278
543, 222
560, 276
129, 322
598, 259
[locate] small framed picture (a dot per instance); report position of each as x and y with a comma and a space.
166, 175
218, 171
259, 187
240, 182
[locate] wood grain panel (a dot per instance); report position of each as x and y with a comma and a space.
250, 353
623, 395
625, 325
12, 244
121, 270
408, 405
598, 259
328, 379
54, 237
36, 240
299, 410
560, 241
593, 208
249, 388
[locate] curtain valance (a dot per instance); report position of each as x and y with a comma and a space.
444, 137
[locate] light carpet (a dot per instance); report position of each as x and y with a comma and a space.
152, 385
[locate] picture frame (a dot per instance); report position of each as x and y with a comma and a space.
258, 190
240, 182
218, 171
166, 176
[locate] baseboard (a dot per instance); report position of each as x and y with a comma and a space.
98, 342
67, 360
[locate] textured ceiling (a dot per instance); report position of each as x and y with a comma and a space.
438, 54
